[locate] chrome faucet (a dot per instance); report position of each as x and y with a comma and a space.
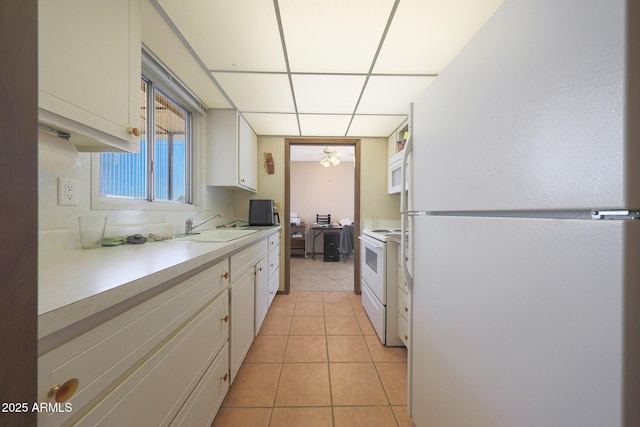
189, 227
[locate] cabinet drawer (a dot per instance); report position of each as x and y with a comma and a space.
274, 285
403, 330
155, 391
247, 258
401, 282
202, 406
274, 240
274, 260
403, 304
104, 354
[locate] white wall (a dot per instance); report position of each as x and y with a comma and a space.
319, 190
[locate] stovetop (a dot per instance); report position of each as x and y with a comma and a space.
382, 234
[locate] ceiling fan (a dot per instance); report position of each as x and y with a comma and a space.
329, 156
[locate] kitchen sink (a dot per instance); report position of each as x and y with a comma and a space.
217, 235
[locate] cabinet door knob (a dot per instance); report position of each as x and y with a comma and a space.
406, 310
406, 338
225, 319
133, 131
62, 393
225, 275
225, 378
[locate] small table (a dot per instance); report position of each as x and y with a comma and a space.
320, 229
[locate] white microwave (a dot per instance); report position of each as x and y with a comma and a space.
395, 174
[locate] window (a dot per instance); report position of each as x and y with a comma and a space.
160, 171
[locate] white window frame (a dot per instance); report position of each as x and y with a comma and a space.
164, 80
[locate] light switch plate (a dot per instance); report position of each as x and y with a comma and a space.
68, 192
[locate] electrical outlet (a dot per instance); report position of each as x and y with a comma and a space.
68, 192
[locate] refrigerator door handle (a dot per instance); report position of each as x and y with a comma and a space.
404, 206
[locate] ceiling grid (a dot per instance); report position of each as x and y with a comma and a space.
334, 68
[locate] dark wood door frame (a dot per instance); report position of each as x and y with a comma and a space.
287, 204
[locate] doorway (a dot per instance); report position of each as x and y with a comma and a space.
320, 144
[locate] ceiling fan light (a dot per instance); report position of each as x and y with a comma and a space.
334, 160
325, 162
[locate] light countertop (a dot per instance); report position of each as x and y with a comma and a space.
75, 284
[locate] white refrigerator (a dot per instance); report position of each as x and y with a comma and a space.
523, 245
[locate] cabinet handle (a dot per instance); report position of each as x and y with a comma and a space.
225, 275
225, 319
62, 393
406, 258
133, 131
259, 268
242, 180
406, 310
225, 378
406, 338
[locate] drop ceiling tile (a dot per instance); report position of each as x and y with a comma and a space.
230, 35
327, 93
252, 92
333, 35
324, 124
391, 94
374, 126
162, 41
438, 31
273, 124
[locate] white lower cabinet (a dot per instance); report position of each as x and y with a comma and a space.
107, 357
274, 267
202, 406
242, 318
404, 305
267, 280
243, 265
154, 393
168, 360
262, 292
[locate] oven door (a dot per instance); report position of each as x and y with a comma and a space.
373, 265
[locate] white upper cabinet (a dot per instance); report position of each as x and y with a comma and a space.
89, 57
232, 149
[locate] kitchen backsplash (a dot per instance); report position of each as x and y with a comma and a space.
58, 225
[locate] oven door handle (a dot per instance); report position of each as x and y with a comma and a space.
369, 242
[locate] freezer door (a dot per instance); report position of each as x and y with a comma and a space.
519, 120
525, 322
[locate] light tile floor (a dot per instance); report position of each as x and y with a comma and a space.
317, 362
307, 274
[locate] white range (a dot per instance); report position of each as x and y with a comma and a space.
379, 268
